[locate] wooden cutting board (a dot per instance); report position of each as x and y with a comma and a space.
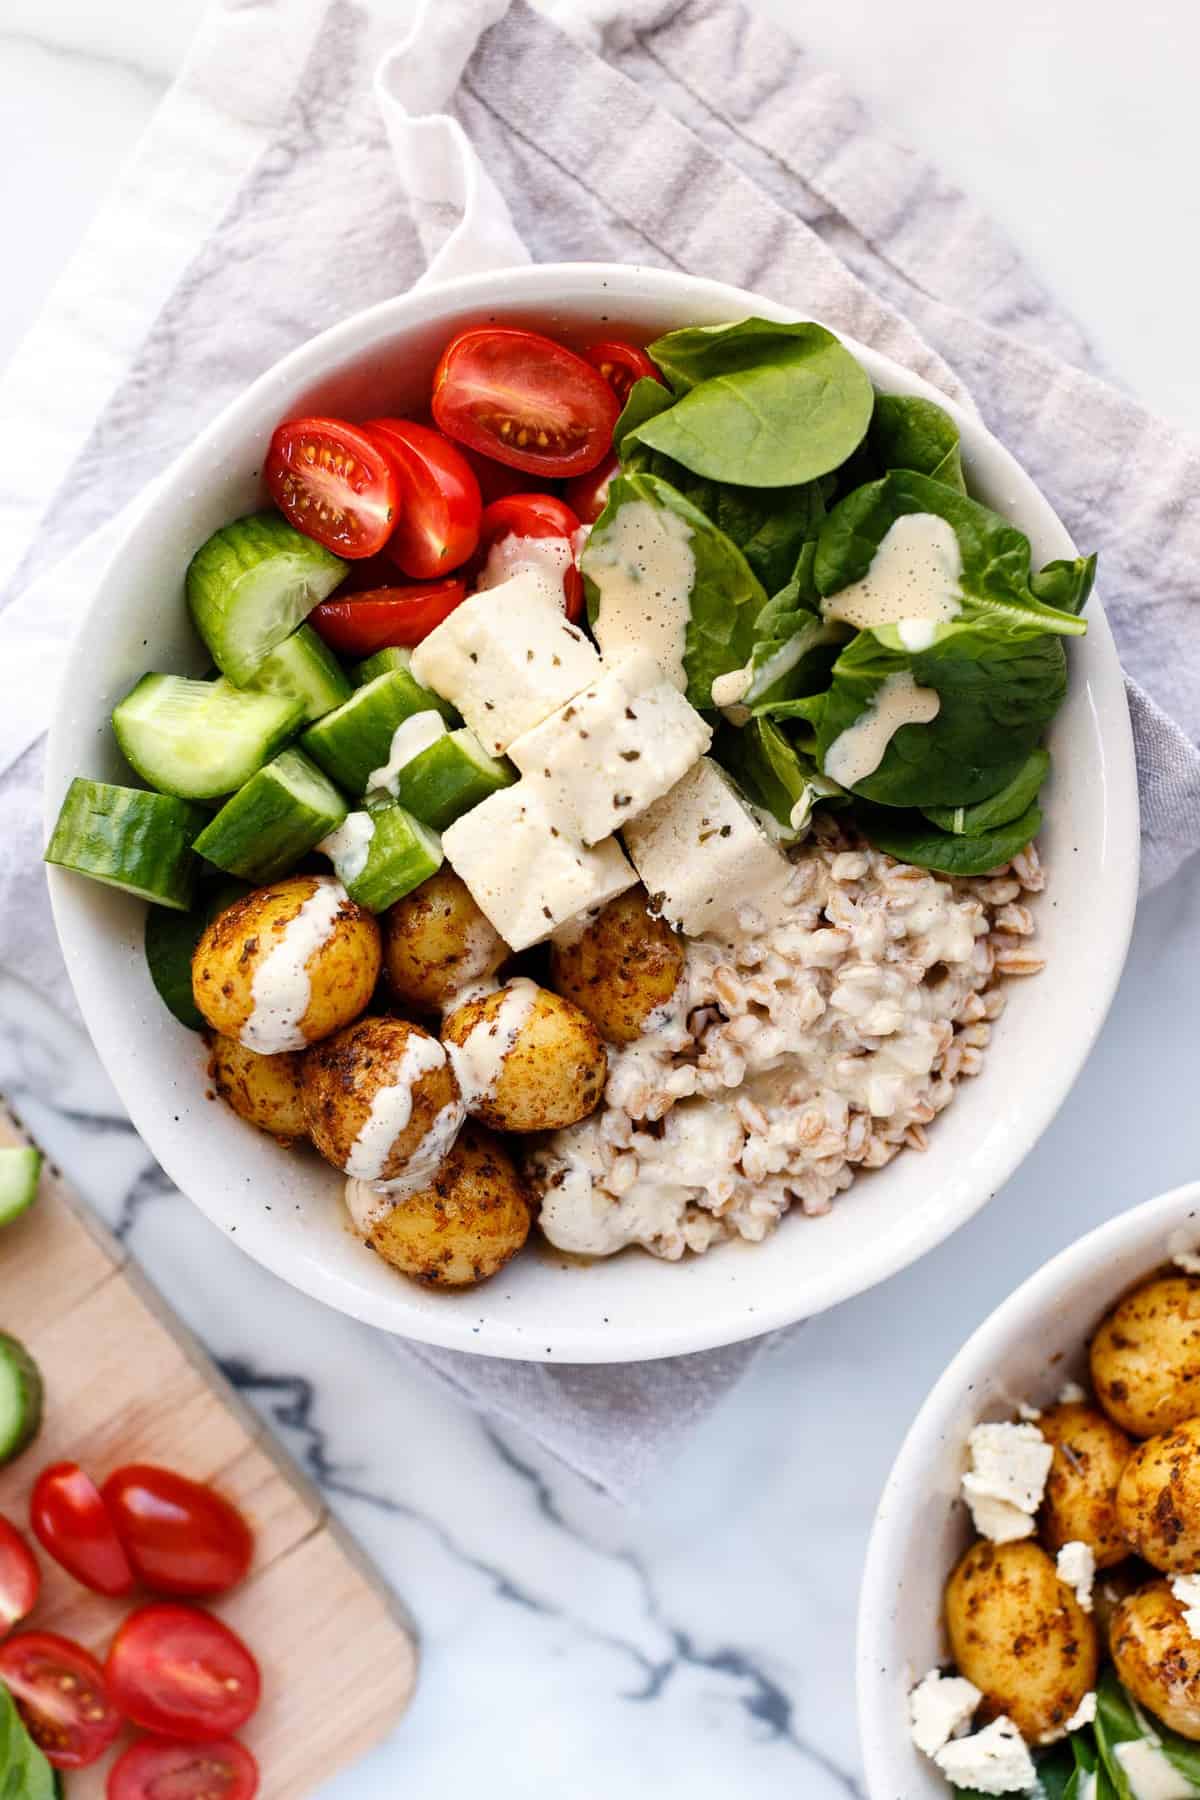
126, 1382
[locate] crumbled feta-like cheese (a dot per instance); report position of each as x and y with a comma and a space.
1084, 1713
1006, 1480
1071, 1394
1186, 1589
1076, 1568
939, 1707
1150, 1773
1030, 1414
995, 1760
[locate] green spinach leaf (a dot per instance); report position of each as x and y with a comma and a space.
1000, 808
24, 1772
908, 432
777, 774
794, 648
1067, 583
1119, 1721
645, 399
910, 838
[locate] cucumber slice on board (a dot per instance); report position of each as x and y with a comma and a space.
20, 1398
454, 774
305, 669
274, 820
128, 839
250, 586
19, 1171
356, 739
170, 944
201, 739
401, 853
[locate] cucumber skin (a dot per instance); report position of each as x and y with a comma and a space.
248, 837
382, 663
155, 770
16, 1356
378, 887
309, 672
356, 739
98, 819
228, 562
32, 1162
442, 783
170, 943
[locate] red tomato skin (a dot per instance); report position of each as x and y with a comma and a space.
535, 516
587, 495
437, 526
180, 1537
485, 369
33, 1666
71, 1523
159, 1769
180, 1673
621, 364
495, 479
386, 618
20, 1578
354, 493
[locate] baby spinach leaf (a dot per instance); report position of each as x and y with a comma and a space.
759, 404
1120, 1721
794, 648
776, 773
908, 432
770, 526
999, 808
1066, 583
645, 398
724, 598
24, 1772
910, 838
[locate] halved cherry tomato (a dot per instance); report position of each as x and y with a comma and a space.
587, 495
534, 516
62, 1696
181, 1537
621, 364
152, 1769
332, 483
437, 527
495, 479
179, 1672
20, 1580
70, 1521
386, 617
524, 400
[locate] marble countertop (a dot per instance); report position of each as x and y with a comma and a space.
702, 1643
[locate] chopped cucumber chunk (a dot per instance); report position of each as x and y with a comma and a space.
128, 839
382, 854
304, 668
20, 1398
450, 777
353, 741
250, 586
384, 662
274, 820
19, 1171
170, 944
201, 739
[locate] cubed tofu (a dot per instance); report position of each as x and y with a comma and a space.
525, 871
702, 854
507, 658
619, 745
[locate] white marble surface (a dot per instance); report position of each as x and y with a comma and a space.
702, 1644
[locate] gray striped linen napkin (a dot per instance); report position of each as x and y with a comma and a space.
693, 136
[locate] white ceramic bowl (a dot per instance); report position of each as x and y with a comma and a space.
285, 1208
1029, 1346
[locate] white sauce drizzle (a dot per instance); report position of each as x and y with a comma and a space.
645, 570
349, 846
1152, 1776
410, 737
728, 689
478, 1061
913, 582
858, 751
391, 1107
369, 1201
545, 559
281, 989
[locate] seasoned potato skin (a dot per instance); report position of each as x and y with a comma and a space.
1145, 1356
342, 1075
1157, 1658
1021, 1637
342, 971
554, 1073
436, 941
623, 967
263, 1090
1158, 1499
466, 1225
1080, 1504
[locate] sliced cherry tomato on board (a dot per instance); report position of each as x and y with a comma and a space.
71, 1523
524, 400
20, 1580
153, 1769
332, 483
180, 1537
531, 516
437, 527
621, 364
587, 494
179, 1672
62, 1696
386, 617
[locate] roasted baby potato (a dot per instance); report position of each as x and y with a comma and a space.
474, 1215
241, 1001
621, 968
1021, 1636
436, 941
1158, 1500
1080, 1503
263, 1090
527, 1059
373, 1093
1157, 1658
1146, 1356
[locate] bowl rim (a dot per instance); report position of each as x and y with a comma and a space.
1149, 1223
567, 282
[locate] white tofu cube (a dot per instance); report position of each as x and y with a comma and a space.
525, 872
613, 749
507, 658
702, 854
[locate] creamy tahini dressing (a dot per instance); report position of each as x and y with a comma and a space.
281, 989
350, 845
478, 1060
391, 1108
1151, 1775
546, 559
858, 751
913, 582
369, 1201
411, 736
645, 570
728, 689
